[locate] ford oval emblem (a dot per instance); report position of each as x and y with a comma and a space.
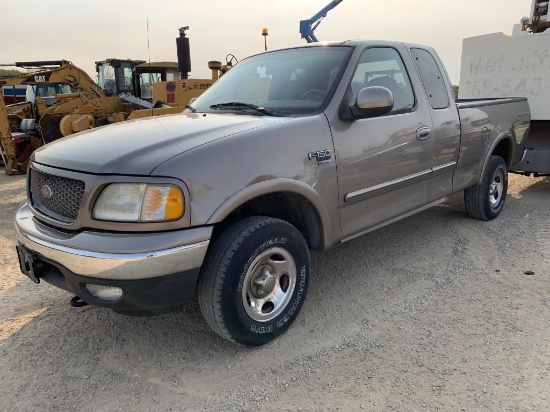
46, 192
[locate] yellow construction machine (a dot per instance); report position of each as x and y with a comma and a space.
133, 77
58, 89
179, 92
163, 83
65, 100
62, 99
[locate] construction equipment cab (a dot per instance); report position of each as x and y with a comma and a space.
115, 76
135, 77
146, 74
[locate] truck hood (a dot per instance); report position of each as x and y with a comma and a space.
136, 147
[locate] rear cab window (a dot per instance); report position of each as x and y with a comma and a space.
432, 78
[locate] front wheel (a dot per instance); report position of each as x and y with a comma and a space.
485, 200
254, 280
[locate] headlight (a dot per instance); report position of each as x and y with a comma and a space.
139, 202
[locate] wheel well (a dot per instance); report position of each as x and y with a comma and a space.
290, 207
503, 150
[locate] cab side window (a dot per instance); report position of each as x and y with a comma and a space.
383, 66
432, 78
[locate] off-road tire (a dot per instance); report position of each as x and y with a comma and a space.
254, 251
485, 200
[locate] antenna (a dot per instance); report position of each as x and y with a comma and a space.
149, 55
148, 46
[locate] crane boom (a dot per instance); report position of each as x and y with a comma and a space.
308, 26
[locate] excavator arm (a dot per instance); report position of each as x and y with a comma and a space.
47, 72
64, 73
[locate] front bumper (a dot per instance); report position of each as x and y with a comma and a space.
153, 269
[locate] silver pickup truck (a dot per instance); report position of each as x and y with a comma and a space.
291, 150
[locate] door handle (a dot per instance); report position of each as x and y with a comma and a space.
423, 133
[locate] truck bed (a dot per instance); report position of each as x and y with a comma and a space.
485, 120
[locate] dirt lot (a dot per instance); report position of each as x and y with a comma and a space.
435, 312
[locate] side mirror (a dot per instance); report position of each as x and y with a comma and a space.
371, 102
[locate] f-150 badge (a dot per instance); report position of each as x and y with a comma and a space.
322, 156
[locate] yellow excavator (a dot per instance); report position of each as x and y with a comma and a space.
62, 99
59, 88
80, 96
66, 100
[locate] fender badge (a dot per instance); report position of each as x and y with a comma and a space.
322, 156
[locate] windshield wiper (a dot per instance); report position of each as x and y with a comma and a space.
244, 106
188, 106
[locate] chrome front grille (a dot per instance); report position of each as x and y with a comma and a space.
56, 196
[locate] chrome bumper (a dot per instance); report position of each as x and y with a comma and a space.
115, 256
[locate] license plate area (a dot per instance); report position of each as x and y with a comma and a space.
28, 263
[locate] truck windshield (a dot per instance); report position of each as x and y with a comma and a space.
288, 82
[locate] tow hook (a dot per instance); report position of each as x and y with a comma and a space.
77, 302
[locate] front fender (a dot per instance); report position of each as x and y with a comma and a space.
279, 185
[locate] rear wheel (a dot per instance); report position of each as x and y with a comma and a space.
254, 280
485, 200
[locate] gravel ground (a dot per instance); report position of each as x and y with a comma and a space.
436, 312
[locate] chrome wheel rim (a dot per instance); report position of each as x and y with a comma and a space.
496, 188
268, 284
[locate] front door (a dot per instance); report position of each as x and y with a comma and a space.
383, 162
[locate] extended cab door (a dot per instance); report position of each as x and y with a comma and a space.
445, 120
383, 162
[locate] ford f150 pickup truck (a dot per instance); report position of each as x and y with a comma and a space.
292, 150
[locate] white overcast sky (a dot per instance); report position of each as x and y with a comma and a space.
86, 31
